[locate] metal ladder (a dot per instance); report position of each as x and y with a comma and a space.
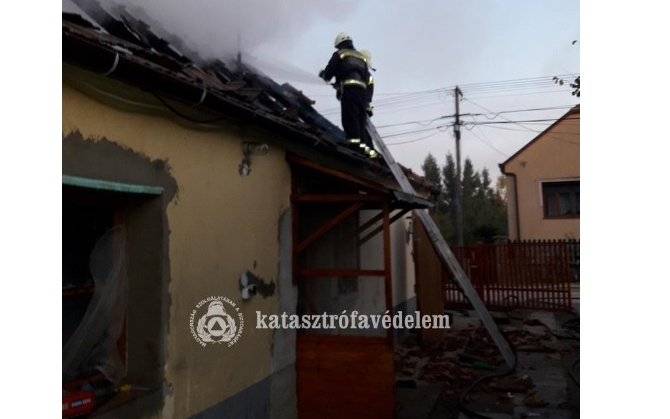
444, 252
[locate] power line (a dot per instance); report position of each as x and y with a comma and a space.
495, 115
487, 110
487, 142
426, 122
486, 115
492, 124
529, 121
397, 102
399, 134
434, 97
415, 140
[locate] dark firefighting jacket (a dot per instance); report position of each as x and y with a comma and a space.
349, 67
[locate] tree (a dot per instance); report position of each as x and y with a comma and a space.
431, 171
449, 181
575, 84
484, 209
501, 188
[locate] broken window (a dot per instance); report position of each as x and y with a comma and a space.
113, 287
94, 292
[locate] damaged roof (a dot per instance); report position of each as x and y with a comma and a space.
120, 46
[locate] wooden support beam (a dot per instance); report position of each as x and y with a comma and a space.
372, 221
378, 229
328, 226
400, 214
292, 158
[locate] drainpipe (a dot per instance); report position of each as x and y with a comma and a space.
516, 201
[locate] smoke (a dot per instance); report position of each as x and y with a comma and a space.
281, 70
222, 28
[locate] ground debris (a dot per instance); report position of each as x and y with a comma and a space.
455, 363
534, 400
512, 384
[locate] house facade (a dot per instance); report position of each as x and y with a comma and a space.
543, 183
196, 201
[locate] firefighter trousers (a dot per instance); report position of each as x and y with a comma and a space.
353, 114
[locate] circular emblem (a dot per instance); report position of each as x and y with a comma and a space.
216, 320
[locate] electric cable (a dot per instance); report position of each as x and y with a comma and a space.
399, 134
415, 140
486, 141
495, 115
424, 123
437, 96
182, 115
527, 121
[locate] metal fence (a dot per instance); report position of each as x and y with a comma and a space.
525, 274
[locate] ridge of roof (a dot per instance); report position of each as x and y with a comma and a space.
571, 111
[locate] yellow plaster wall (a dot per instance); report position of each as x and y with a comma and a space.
220, 225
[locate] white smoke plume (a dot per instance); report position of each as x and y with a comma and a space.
219, 28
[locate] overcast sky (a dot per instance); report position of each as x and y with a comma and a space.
502, 53
423, 46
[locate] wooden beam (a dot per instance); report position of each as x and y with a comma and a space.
292, 158
400, 214
378, 229
327, 227
369, 223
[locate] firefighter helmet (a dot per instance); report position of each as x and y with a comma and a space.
343, 36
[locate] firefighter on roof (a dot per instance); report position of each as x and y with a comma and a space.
351, 72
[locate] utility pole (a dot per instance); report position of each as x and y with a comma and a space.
458, 194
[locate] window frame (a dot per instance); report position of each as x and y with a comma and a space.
552, 198
140, 209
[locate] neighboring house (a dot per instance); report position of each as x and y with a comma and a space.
543, 183
197, 197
